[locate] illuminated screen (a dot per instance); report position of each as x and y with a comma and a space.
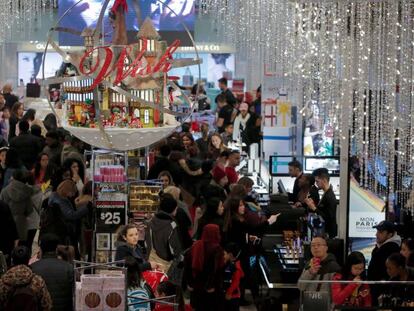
313, 163
30, 65
86, 15
279, 165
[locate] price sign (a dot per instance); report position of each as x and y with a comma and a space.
110, 215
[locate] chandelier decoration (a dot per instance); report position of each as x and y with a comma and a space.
350, 58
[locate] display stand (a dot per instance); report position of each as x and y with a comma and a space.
144, 199
111, 200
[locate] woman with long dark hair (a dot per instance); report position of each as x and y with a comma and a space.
204, 265
43, 169
77, 172
353, 294
13, 163
213, 214
15, 116
407, 250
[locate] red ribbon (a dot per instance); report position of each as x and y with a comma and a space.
119, 3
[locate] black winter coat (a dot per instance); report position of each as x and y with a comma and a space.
58, 275
123, 251
28, 146
327, 209
8, 231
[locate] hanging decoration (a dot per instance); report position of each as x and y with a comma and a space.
118, 98
338, 58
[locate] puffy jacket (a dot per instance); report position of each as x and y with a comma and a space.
18, 196
58, 275
22, 276
344, 294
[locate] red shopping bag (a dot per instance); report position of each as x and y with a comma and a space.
154, 278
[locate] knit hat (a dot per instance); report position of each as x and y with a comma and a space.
218, 173
168, 204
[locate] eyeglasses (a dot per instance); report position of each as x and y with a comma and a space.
317, 245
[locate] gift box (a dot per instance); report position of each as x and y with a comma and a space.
270, 112
91, 292
278, 141
114, 292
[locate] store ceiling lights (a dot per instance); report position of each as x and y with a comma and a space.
351, 57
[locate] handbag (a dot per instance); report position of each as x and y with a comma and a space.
176, 272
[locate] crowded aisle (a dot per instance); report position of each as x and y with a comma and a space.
169, 156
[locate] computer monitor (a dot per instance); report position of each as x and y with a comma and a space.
332, 164
278, 165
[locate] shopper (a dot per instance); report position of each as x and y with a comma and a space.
204, 141
353, 294
166, 179
388, 242
5, 124
71, 217
327, 205
3, 155
77, 172
240, 123
215, 147
20, 288
407, 250
139, 292
53, 147
27, 145
204, 265
399, 294
217, 185
162, 236
127, 246
10, 98
30, 116
15, 116
43, 169
161, 162
233, 273
295, 171
213, 214
256, 106
307, 189
57, 273
226, 113
227, 135
233, 162
238, 230
225, 91
8, 230
36, 131
322, 266
17, 195
13, 163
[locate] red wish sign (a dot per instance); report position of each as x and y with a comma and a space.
134, 70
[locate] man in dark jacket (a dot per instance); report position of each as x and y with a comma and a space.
327, 205
388, 242
57, 273
161, 163
27, 145
8, 230
162, 236
295, 171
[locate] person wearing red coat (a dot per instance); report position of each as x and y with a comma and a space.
353, 293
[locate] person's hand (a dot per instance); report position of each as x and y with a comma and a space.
190, 288
364, 293
155, 266
76, 177
309, 202
252, 238
272, 219
228, 297
314, 267
211, 290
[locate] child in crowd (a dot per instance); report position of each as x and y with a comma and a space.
233, 273
139, 292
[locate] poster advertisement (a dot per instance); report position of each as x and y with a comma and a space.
30, 66
219, 66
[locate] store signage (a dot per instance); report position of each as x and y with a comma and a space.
139, 67
361, 224
110, 215
316, 300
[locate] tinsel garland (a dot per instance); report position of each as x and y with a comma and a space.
348, 54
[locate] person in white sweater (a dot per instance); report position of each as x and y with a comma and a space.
241, 121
